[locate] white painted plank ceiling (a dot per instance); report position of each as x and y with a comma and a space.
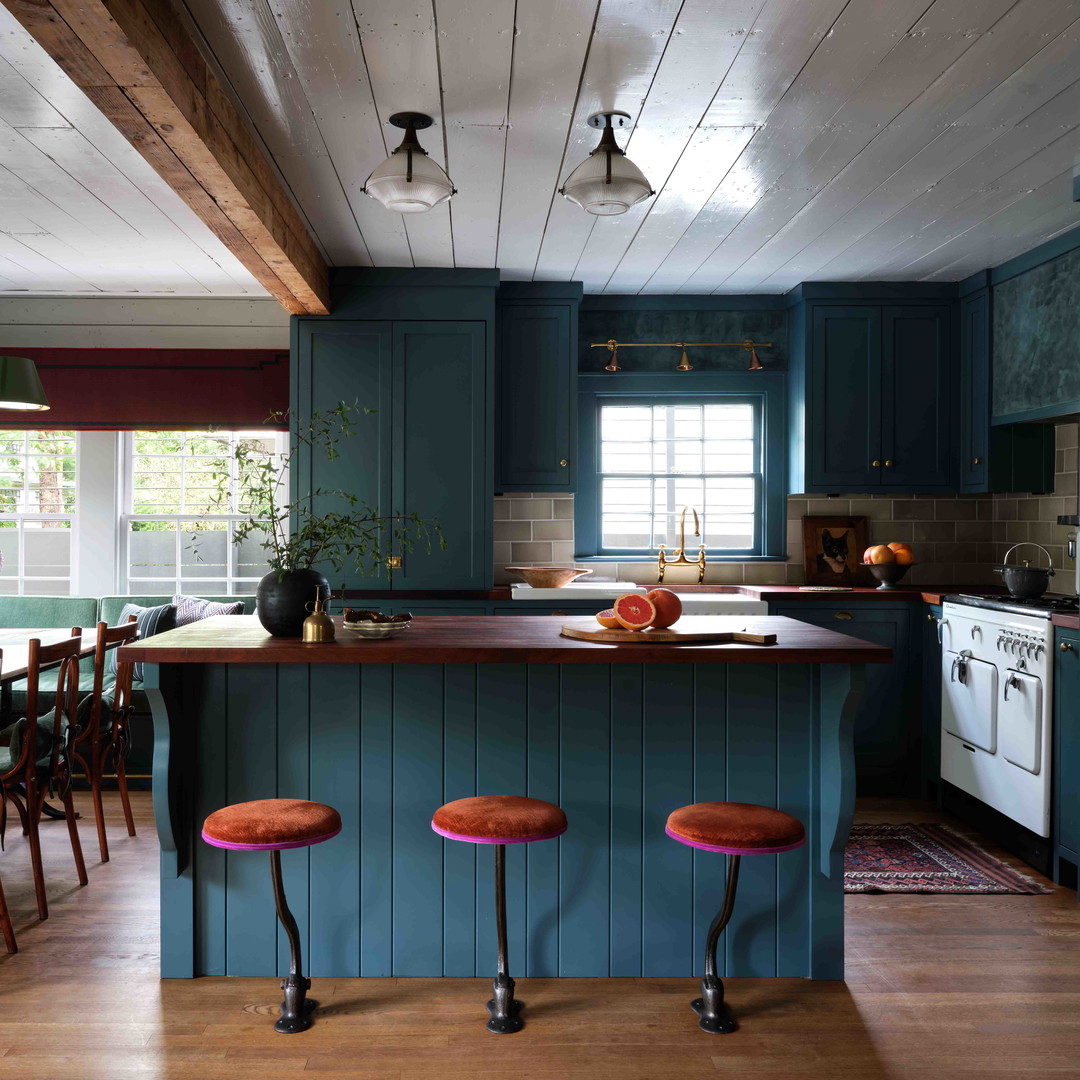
81, 212
788, 141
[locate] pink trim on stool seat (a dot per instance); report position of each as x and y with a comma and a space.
270, 847
498, 839
734, 850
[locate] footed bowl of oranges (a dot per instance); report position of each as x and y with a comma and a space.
889, 562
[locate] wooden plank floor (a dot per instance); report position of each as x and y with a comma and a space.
948, 987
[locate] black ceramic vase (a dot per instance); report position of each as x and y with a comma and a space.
281, 604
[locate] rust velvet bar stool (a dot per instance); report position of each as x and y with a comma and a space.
274, 825
733, 829
500, 820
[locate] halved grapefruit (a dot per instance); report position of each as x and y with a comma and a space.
668, 607
634, 611
607, 619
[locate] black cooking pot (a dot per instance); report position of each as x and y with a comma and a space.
1026, 582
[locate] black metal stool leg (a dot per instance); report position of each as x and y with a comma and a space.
504, 1010
297, 1008
714, 1013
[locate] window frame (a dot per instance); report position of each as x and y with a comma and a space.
233, 583
64, 586
766, 390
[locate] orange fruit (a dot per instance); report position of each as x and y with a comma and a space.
634, 611
607, 619
668, 607
898, 545
904, 555
879, 553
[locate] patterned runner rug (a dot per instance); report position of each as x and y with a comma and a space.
925, 859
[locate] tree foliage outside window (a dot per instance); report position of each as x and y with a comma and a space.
37, 508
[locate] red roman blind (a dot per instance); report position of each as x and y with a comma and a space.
147, 389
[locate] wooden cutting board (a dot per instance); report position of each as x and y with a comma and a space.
671, 636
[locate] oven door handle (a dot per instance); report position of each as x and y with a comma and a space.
958, 673
1014, 682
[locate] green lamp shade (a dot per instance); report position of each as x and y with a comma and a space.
20, 387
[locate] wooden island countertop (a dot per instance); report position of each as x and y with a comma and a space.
483, 639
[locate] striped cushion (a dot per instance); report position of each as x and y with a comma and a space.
150, 621
191, 609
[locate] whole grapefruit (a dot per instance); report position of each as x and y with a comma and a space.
879, 553
668, 607
634, 611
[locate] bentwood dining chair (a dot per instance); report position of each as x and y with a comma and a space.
5, 916
37, 761
103, 725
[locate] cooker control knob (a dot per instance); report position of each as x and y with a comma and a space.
1039, 649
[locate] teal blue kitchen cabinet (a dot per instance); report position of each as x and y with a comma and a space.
536, 377
424, 449
873, 398
930, 750
1066, 827
1005, 457
887, 734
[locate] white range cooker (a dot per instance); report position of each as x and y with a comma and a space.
997, 671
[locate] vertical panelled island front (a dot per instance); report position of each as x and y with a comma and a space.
618, 735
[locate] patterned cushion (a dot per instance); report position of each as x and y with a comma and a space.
150, 621
191, 609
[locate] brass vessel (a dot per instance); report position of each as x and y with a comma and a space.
318, 626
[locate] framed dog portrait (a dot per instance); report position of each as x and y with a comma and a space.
833, 549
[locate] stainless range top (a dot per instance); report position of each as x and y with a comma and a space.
1042, 607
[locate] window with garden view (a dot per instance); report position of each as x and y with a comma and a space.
182, 507
654, 459
37, 511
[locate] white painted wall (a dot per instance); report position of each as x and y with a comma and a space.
150, 322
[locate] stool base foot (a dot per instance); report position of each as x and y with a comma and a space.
712, 1009
296, 1009
504, 1008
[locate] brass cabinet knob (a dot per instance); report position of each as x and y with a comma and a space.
876, 464
888, 464
563, 462
843, 615
393, 562
977, 461
1066, 646
931, 618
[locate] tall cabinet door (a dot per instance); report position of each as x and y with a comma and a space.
346, 361
537, 398
917, 438
441, 431
975, 392
844, 420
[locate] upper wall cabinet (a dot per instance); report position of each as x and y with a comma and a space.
423, 450
537, 393
872, 393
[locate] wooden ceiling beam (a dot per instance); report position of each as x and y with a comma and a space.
137, 63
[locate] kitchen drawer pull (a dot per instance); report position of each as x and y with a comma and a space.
843, 615
1066, 646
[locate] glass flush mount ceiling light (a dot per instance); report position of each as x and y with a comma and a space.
408, 181
607, 182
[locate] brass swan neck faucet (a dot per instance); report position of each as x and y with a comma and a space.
663, 563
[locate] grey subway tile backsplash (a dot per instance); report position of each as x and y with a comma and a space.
957, 538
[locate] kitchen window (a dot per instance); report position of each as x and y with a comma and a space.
644, 457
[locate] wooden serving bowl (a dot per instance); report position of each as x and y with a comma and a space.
547, 577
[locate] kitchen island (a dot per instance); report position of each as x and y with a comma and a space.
618, 735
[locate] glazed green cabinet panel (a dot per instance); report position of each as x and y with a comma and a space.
975, 392
875, 401
424, 448
537, 397
1067, 752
